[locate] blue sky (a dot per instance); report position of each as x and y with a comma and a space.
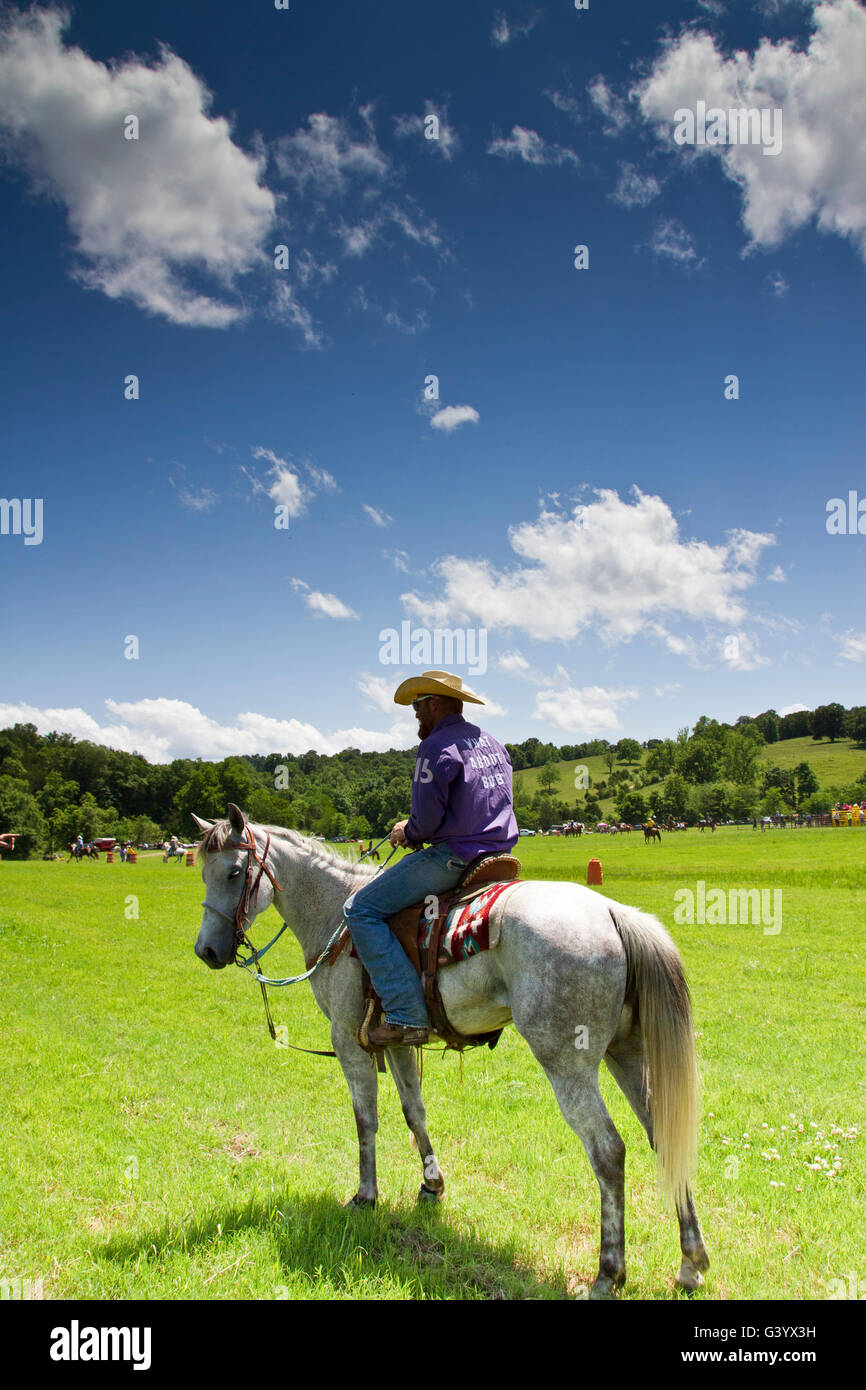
636, 548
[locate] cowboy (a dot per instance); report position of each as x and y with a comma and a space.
461, 808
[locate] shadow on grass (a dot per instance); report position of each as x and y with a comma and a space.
352, 1251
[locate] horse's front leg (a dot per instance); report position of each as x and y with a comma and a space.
359, 1069
405, 1072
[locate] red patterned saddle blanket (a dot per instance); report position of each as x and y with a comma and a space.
458, 924
441, 931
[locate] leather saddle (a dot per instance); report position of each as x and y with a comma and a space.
484, 869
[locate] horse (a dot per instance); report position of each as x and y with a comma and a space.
173, 852
581, 977
651, 832
79, 852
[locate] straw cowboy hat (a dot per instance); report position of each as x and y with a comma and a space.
435, 683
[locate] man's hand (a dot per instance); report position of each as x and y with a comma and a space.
397, 837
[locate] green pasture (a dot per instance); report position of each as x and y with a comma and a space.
838, 764
157, 1144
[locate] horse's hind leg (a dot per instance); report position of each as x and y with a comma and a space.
625, 1063
583, 1108
405, 1073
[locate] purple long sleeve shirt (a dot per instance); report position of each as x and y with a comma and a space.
461, 791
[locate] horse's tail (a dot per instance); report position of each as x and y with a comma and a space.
657, 989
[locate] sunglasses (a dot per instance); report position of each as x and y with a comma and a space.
421, 698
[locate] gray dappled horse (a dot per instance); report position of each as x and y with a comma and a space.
581, 977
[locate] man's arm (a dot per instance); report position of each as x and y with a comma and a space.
430, 794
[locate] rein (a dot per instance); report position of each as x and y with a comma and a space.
241, 921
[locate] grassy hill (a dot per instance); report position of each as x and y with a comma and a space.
835, 764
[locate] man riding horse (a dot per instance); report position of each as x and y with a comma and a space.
461, 807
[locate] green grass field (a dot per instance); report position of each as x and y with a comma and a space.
158, 1145
835, 764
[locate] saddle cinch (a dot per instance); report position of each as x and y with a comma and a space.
422, 939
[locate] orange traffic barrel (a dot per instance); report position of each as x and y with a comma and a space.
109, 856
190, 858
131, 856
593, 872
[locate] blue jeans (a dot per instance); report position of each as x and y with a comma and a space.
432, 870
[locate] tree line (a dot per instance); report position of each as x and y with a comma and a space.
54, 787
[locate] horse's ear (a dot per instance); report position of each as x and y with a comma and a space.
237, 820
202, 824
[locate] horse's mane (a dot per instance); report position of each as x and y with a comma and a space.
217, 838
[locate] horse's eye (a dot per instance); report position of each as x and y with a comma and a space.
234, 873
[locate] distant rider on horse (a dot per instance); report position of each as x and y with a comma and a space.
461, 807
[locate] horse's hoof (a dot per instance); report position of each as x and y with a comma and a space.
360, 1203
606, 1287
689, 1277
430, 1194
602, 1291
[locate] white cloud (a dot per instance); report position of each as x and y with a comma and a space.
399, 559
198, 501
378, 517
778, 576
505, 29
287, 308
358, 239
611, 106
322, 605
513, 664
741, 654
394, 320
143, 212
327, 158
447, 141
564, 101
490, 710
286, 488
853, 646
635, 190
378, 691
611, 565
451, 416
671, 239
778, 285
309, 270
163, 729
792, 709
591, 710
321, 478
528, 146
820, 173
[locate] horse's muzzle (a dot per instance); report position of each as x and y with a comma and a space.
210, 957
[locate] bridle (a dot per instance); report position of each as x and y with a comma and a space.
242, 918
